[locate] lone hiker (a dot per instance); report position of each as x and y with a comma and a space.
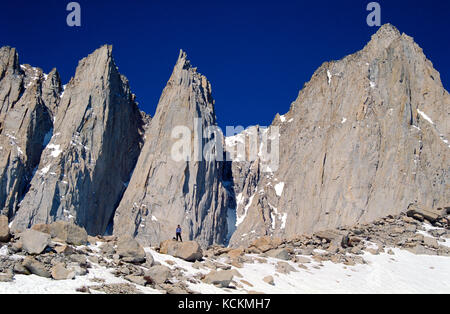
179, 233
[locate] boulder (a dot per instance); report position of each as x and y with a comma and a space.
4, 229
189, 251
285, 268
7, 276
265, 243
419, 210
64, 249
45, 228
139, 280
431, 242
129, 250
60, 272
20, 269
328, 235
35, 267
279, 253
68, 232
79, 271
302, 260
158, 274
34, 242
220, 278
235, 253
421, 250
149, 260
269, 280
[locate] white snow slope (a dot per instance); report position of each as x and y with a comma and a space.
402, 272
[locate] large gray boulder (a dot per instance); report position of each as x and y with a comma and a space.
221, 278
35, 267
4, 229
159, 273
279, 254
130, 250
189, 251
34, 242
60, 272
68, 232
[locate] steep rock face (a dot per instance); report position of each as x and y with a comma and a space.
163, 192
367, 136
95, 143
25, 120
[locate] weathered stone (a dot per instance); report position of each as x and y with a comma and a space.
429, 214
20, 269
34, 242
421, 250
269, 280
4, 229
60, 272
79, 271
431, 242
45, 228
159, 273
64, 249
220, 278
130, 250
264, 244
140, 280
279, 253
189, 251
236, 253
302, 259
36, 267
68, 232
7, 276
285, 268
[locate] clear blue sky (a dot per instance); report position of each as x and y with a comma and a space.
256, 54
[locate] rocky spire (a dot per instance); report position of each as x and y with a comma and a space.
95, 143
163, 192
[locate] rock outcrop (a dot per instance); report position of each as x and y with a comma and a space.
25, 122
96, 139
4, 229
163, 192
367, 136
189, 251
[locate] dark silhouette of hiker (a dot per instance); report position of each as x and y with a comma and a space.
179, 233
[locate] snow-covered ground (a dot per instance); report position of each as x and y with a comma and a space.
33, 284
402, 272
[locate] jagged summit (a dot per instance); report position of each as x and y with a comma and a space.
356, 145
386, 31
90, 152
164, 192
